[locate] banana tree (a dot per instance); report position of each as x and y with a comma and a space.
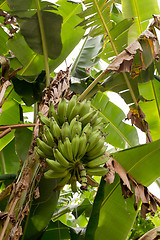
36, 37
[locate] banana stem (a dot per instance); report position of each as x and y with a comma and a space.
44, 44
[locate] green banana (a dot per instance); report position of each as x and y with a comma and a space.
96, 162
66, 131
100, 126
47, 150
75, 145
74, 112
74, 120
87, 129
54, 174
94, 118
43, 119
71, 104
85, 107
60, 158
48, 136
97, 122
62, 110
76, 129
93, 139
55, 166
82, 145
63, 182
87, 117
68, 149
97, 154
62, 149
39, 152
97, 171
97, 147
55, 129
52, 112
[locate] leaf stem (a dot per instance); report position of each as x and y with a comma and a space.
3, 162
44, 44
84, 94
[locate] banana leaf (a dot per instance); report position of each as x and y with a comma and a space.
119, 134
112, 216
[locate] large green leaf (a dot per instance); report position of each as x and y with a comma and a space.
120, 134
4, 37
33, 63
116, 214
52, 33
150, 91
98, 17
9, 160
10, 115
42, 209
135, 9
70, 34
23, 137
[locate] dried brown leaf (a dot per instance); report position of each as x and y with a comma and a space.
109, 178
130, 185
36, 193
137, 118
151, 235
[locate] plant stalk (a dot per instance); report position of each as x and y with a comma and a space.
44, 44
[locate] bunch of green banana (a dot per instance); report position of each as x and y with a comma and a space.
72, 143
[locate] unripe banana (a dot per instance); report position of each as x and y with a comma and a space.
48, 136
74, 112
85, 107
43, 119
68, 149
87, 129
55, 166
62, 149
66, 131
97, 162
76, 129
71, 104
93, 139
97, 122
60, 158
97, 171
100, 126
63, 182
75, 145
82, 145
47, 150
62, 110
52, 112
54, 174
97, 147
87, 117
74, 120
55, 129
94, 118
39, 152
97, 154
